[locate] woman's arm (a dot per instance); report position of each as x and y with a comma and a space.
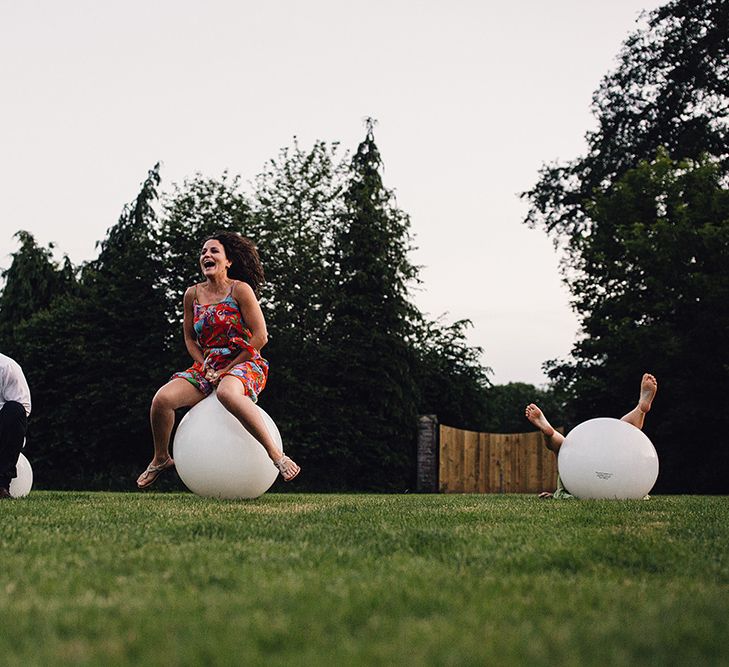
187, 327
252, 314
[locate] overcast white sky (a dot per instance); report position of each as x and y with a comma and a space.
470, 97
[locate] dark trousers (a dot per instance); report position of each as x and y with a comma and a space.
13, 425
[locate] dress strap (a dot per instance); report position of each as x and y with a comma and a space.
232, 287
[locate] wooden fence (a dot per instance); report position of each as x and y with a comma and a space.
471, 462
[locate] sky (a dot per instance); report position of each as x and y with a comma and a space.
470, 97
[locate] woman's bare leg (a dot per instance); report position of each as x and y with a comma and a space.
648, 389
536, 417
231, 393
177, 393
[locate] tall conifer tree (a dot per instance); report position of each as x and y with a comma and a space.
33, 280
372, 361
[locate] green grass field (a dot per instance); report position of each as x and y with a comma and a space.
173, 579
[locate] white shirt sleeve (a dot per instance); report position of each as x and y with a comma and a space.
14, 386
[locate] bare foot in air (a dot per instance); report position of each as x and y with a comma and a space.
648, 389
536, 417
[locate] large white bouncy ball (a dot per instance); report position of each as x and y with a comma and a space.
21, 484
216, 457
607, 458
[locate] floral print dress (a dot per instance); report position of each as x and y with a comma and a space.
222, 335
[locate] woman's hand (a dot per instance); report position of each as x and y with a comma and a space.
214, 376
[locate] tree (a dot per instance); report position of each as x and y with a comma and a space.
125, 295
452, 382
670, 89
33, 280
297, 205
370, 339
652, 292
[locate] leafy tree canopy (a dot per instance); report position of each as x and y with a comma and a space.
652, 294
670, 89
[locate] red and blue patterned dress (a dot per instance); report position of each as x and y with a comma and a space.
222, 335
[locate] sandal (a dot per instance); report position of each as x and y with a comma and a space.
150, 475
287, 468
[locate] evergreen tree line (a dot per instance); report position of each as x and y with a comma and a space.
353, 361
642, 220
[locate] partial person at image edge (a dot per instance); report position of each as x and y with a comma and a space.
14, 412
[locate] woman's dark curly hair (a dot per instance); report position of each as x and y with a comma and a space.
243, 255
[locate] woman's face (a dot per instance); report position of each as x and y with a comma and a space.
213, 261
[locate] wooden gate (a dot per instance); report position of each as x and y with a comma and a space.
472, 462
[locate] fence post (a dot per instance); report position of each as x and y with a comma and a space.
427, 473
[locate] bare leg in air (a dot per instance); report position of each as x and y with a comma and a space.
648, 389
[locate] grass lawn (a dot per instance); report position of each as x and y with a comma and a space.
173, 579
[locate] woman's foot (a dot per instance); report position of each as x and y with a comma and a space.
153, 471
536, 417
648, 389
287, 468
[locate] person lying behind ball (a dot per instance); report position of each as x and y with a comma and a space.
636, 417
224, 332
